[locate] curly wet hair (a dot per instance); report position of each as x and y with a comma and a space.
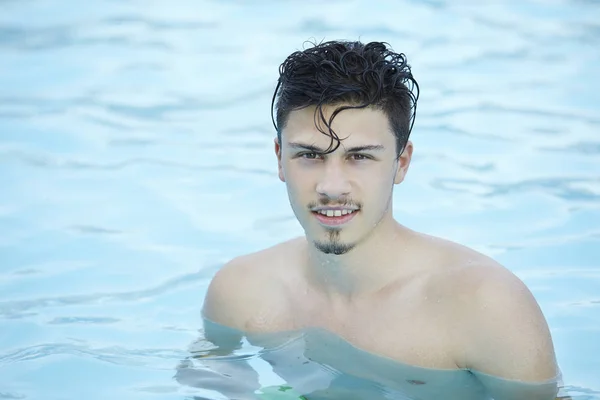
347, 74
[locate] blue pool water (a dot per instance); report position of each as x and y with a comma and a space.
136, 158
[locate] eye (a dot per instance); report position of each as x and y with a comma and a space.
360, 157
309, 155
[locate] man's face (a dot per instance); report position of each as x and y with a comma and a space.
339, 198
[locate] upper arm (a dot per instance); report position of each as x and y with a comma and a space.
245, 295
229, 298
507, 334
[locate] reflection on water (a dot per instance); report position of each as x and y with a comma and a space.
136, 158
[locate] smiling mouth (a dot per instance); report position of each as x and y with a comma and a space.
332, 217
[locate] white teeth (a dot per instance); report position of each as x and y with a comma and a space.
335, 213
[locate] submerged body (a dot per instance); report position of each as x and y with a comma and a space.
434, 332
318, 365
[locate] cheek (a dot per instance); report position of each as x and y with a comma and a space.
295, 181
379, 189
378, 179
298, 177
298, 187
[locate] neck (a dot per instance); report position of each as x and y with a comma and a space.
368, 267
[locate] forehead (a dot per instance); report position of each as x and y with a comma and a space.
355, 126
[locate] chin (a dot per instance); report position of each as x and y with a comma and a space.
332, 242
333, 248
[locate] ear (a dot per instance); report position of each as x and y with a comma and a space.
278, 154
404, 163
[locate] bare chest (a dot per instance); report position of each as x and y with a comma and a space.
413, 332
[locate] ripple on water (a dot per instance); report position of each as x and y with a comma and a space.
136, 157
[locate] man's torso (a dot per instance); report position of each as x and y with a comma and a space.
415, 319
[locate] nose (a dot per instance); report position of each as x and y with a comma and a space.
333, 182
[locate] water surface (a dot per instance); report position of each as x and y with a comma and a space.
136, 158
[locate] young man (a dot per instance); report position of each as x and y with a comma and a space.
344, 113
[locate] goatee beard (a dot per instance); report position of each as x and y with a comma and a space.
333, 245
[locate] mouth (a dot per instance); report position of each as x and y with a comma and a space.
336, 216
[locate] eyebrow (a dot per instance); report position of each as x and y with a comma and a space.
354, 149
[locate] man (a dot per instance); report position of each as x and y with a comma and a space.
344, 113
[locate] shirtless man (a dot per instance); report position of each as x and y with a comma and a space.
344, 113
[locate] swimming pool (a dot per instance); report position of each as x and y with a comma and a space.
136, 158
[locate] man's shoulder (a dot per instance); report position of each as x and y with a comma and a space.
481, 285
248, 287
478, 282
264, 258
498, 317
262, 262
464, 268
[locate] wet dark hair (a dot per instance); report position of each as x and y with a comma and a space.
348, 75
